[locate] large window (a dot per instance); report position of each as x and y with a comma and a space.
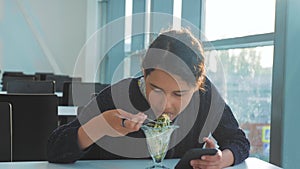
242, 37
236, 18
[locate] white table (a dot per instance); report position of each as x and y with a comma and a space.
254, 163
3, 92
59, 94
67, 110
250, 163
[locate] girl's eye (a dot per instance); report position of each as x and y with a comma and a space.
178, 94
157, 90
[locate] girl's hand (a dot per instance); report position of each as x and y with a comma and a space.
121, 122
208, 161
109, 123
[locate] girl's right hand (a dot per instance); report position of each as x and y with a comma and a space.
109, 123
121, 122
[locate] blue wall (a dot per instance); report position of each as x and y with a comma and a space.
41, 36
20, 50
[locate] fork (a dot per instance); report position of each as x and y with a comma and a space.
209, 136
153, 121
149, 120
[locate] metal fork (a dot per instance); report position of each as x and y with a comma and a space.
149, 120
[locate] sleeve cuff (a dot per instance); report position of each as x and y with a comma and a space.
236, 158
67, 153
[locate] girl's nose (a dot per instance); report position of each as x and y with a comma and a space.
168, 104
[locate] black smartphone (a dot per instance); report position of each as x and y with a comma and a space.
195, 153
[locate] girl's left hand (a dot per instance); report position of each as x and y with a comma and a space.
208, 161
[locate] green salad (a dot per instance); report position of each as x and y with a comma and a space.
162, 121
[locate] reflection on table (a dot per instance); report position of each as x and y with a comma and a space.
250, 163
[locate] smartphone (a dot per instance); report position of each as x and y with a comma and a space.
192, 154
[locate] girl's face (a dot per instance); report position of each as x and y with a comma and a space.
167, 93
